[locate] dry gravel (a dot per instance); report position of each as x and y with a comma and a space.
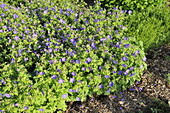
150, 95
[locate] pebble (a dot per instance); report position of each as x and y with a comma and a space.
134, 99
120, 102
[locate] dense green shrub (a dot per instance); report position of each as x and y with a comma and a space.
135, 5
52, 55
151, 26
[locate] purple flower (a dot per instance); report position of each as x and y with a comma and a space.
62, 21
132, 89
2, 5
144, 58
106, 76
41, 73
72, 40
102, 39
125, 38
4, 26
78, 99
41, 109
67, 51
20, 51
51, 61
138, 82
59, 70
134, 54
100, 67
25, 107
63, 59
120, 72
56, 49
89, 59
78, 61
109, 36
124, 65
108, 91
64, 95
60, 81
101, 86
87, 22
15, 16
115, 8
93, 45
61, 11
73, 73
117, 45
130, 12
16, 38
140, 89
2, 14
67, 14
126, 72
126, 54
141, 66
131, 68
15, 82
22, 21
124, 58
113, 71
72, 80
115, 96
116, 31
7, 95
111, 84
15, 32
72, 61
113, 55
47, 44
83, 68
46, 11
1, 31
53, 76
12, 60
115, 62
77, 90
132, 74
16, 104
50, 50
127, 45
90, 68
71, 90
137, 51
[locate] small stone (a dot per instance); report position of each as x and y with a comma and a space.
120, 102
134, 99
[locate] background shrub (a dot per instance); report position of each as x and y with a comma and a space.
134, 5
151, 26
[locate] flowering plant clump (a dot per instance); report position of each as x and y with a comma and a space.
53, 55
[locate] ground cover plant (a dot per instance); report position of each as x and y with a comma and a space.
52, 55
